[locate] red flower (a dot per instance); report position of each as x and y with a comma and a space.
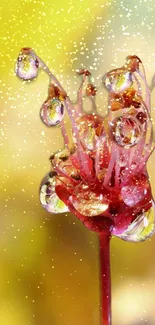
101, 177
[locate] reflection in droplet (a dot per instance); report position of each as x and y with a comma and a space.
26, 67
125, 131
141, 228
141, 117
52, 112
48, 198
133, 194
118, 80
88, 203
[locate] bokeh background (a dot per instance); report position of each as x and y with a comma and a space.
49, 266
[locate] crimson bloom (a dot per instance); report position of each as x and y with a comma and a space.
100, 175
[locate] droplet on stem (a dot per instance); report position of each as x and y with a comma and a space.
118, 80
125, 131
26, 66
52, 112
141, 117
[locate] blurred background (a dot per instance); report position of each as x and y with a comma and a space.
49, 265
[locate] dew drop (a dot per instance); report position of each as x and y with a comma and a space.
118, 80
125, 131
141, 228
141, 117
48, 198
52, 112
133, 194
88, 203
26, 67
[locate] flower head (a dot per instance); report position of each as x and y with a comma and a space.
101, 175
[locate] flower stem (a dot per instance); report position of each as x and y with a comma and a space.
105, 279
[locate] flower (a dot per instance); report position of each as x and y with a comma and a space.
101, 175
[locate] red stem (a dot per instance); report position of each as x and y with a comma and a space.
105, 279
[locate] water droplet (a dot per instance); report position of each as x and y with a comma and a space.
141, 117
26, 67
52, 112
89, 127
125, 131
141, 228
133, 194
116, 105
48, 198
118, 80
88, 203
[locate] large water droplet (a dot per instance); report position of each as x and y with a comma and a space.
88, 203
52, 112
118, 80
26, 67
48, 198
141, 228
125, 131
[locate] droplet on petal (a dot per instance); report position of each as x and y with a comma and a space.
48, 198
52, 112
118, 80
142, 227
26, 66
125, 131
88, 203
133, 194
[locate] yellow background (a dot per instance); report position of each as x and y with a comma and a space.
49, 267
